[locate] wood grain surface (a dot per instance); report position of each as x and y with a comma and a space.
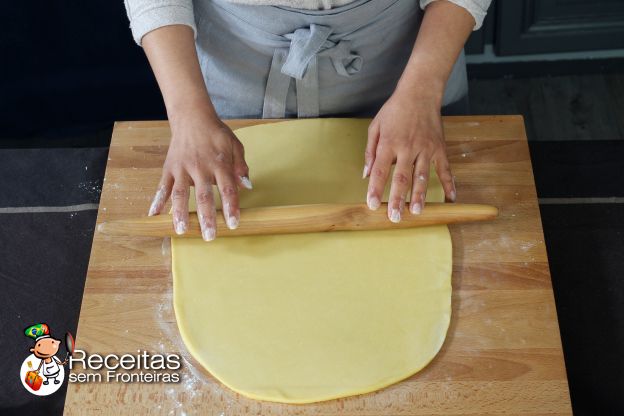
502, 354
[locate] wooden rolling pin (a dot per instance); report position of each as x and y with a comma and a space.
305, 219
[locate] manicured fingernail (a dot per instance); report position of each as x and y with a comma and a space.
395, 216
179, 223
453, 191
453, 195
208, 231
232, 222
157, 201
209, 234
180, 227
230, 218
373, 202
246, 182
416, 208
365, 172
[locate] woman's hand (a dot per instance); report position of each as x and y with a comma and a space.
406, 131
203, 152
408, 128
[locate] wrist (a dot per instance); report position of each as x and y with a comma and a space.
423, 83
190, 112
191, 107
420, 95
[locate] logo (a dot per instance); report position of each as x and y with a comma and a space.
42, 372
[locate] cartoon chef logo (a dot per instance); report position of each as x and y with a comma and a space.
42, 373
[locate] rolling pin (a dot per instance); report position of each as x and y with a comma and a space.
294, 219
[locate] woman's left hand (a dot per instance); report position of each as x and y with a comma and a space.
406, 131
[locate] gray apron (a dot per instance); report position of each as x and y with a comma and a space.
275, 62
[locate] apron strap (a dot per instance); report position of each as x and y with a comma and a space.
277, 87
300, 61
308, 92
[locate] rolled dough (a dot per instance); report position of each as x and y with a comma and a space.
312, 317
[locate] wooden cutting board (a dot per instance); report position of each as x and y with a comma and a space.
502, 354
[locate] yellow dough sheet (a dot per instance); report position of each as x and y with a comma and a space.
311, 317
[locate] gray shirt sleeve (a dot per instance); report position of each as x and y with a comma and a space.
148, 15
477, 8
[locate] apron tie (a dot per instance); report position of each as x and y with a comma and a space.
300, 61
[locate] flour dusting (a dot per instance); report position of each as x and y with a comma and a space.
195, 387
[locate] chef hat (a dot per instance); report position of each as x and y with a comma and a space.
38, 331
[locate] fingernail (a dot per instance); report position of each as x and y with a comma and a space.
179, 224
209, 234
453, 192
373, 202
365, 172
416, 208
453, 195
230, 219
395, 216
157, 201
232, 222
246, 182
180, 227
208, 231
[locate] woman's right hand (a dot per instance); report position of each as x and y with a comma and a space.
203, 152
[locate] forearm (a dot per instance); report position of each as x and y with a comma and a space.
443, 32
173, 58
